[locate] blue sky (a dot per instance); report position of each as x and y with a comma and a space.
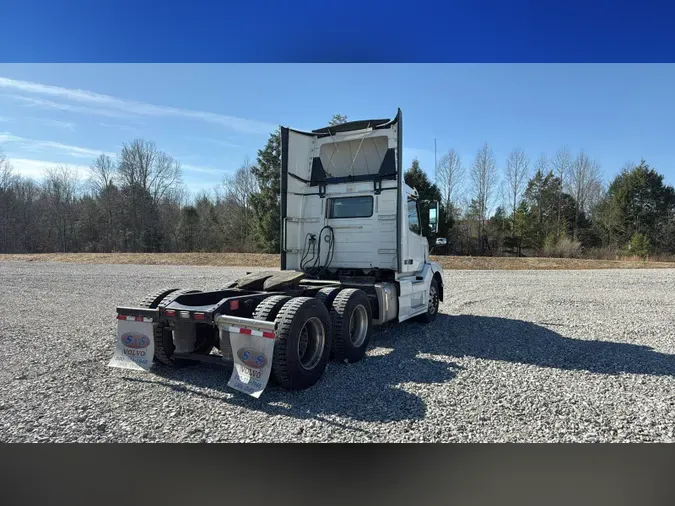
212, 117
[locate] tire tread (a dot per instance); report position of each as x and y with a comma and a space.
327, 295
338, 321
152, 300
269, 308
285, 320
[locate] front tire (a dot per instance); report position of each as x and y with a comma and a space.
302, 347
432, 305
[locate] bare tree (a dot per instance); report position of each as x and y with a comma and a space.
6, 203
6, 172
148, 175
165, 176
517, 175
61, 186
449, 177
102, 173
143, 165
562, 165
238, 189
484, 179
596, 188
584, 180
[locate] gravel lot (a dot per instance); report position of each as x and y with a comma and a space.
514, 356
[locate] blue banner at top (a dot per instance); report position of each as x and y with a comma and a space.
343, 31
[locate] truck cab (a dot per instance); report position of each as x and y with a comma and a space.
347, 213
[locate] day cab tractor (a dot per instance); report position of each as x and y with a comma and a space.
353, 256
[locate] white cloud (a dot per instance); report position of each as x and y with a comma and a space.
37, 145
201, 169
125, 128
134, 107
48, 104
218, 142
67, 125
36, 168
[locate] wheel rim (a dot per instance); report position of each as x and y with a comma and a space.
358, 325
433, 300
311, 343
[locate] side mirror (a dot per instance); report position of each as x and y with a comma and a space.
433, 217
441, 241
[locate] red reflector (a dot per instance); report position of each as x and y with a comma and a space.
268, 334
234, 305
121, 317
170, 312
199, 316
244, 331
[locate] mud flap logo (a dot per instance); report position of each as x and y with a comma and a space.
252, 358
136, 341
252, 363
135, 348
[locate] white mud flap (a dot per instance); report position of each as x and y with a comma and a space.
135, 347
252, 351
252, 355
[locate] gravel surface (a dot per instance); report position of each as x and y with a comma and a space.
514, 356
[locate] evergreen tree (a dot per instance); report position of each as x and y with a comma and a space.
416, 178
265, 202
337, 119
638, 201
544, 199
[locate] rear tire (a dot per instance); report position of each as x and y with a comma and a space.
352, 321
432, 304
163, 335
269, 308
164, 346
302, 347
152, 301
327, 296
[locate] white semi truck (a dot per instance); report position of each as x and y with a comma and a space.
353, 256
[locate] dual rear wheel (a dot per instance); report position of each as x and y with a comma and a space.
310, 329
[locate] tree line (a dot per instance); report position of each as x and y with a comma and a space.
136, 202
552, 206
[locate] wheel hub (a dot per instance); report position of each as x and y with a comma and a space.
311, 343
358, 325
304, 342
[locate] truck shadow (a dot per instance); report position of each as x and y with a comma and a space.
380, 388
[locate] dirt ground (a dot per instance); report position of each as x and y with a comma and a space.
272, 261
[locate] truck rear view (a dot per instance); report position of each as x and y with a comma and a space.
353, 256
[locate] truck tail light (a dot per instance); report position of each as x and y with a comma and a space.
200, 316
234, 305
170, 313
